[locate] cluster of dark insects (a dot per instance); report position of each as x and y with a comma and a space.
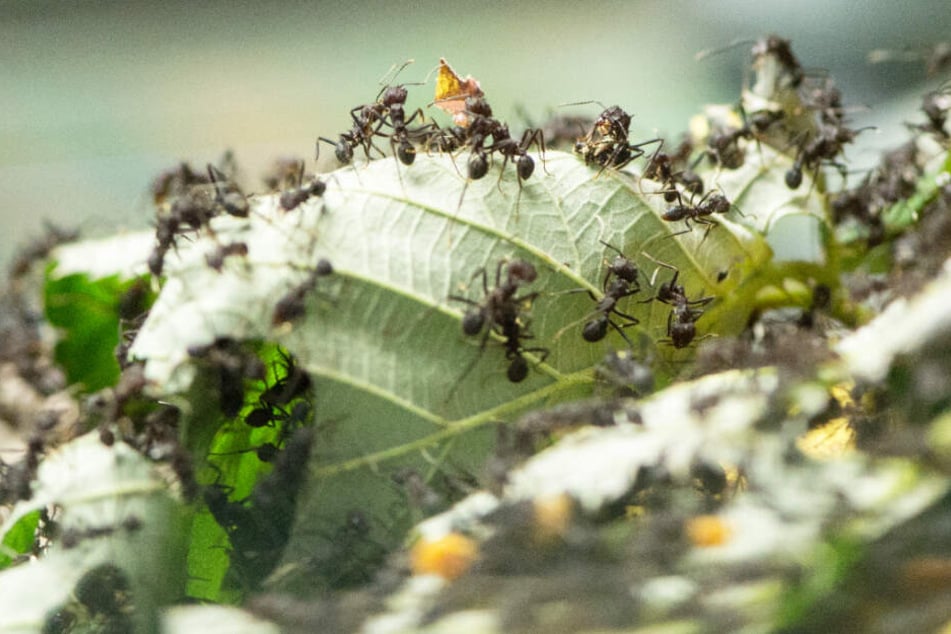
476, 129
186, 204
385, 117
503, 312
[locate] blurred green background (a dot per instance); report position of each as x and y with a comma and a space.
97, 97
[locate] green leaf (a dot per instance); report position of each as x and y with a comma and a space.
87, 312
383, 340
112, 509
19, 539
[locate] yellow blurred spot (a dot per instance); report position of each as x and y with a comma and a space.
832, 440
843, 393
449, 556
706, 531
552, 517
634, 511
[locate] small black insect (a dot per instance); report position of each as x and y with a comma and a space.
292, 198
216, 259
713, 202
232, 364
681, 322
607, 143
501, 311
293, 304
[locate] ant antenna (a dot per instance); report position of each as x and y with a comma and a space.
392, 74
582, 103
710, 52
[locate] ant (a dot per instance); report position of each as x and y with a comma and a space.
291, 306
620, 281
723, 145
681, 322
228, 195
482, 125
607, 144
232, 364
500, 311
216, 259
369, 119
663, 167
713, 202
292, 198
824, 147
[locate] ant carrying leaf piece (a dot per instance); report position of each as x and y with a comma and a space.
452, 92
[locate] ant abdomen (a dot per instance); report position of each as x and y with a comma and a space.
478, 166
405, 152
473, 321
518, 369
595, 330
793, 178
525, 167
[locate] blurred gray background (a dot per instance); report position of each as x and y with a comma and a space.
97, 97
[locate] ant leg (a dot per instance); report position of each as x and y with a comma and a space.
620, 331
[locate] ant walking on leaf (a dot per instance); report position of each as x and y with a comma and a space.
502, 311
682, 320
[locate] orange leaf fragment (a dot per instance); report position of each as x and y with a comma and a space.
452, 91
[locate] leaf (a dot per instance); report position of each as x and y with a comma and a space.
383, 341
112, 509
86, 311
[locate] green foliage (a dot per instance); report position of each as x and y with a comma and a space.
87, 312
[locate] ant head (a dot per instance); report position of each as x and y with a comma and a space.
522, 271
477, 105
394, 95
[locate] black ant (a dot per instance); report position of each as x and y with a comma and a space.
823, 148
514, 334
292, 198
620, 281
713, 202
483, 125
293, 384
607, 143
228, 195
292, 305
232, 364
723, 145
681, 322
216, 259
663, 167
499, 312
369, 119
